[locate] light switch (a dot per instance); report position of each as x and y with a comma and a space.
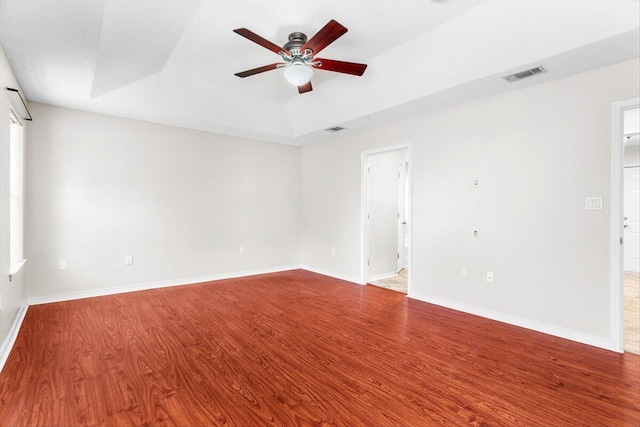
593, 203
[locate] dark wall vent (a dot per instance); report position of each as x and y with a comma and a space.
335, 129
523, 74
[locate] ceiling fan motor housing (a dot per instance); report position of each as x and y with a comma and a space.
296, 41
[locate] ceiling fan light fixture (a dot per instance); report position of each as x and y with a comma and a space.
298, 73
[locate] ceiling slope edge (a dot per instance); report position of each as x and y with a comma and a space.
468, 59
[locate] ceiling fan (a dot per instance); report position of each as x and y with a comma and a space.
299, 53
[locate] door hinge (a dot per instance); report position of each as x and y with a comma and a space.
621, 240
368, 169
368, 262
368, 216
398, 255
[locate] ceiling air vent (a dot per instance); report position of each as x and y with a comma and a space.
334, 129
526, 73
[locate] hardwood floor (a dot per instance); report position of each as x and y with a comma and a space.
631, 332
397, 283
297, 348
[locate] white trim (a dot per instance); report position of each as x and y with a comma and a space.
570, 334
15, 267
364, 197
333, 274
155, 285
364, 223
616, 227
10, 340
387, 149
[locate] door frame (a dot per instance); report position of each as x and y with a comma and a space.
403, 237
364, 203
616, 231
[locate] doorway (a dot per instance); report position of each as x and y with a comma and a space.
386, 217
625, 226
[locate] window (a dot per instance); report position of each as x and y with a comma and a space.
16, 186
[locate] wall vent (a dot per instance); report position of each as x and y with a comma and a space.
526, 73
335, 129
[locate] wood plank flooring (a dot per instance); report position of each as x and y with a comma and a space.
631, 331
300, 349
397, 283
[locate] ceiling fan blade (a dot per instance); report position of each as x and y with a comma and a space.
260, 40
259, 70
340, 66
323, 38
305, 88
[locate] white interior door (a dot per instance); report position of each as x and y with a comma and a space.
632, 219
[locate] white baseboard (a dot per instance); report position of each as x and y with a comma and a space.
154, 285
566, 333
7, 345
333, 274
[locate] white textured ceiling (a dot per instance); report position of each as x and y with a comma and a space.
173, 62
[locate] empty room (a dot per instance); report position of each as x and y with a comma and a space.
319, 213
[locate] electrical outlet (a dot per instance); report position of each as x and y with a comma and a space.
62, 264
464, 273
241, 250
490, 276
128, 259
333, 251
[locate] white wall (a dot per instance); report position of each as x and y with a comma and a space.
13, 293
181, 202
550, 256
